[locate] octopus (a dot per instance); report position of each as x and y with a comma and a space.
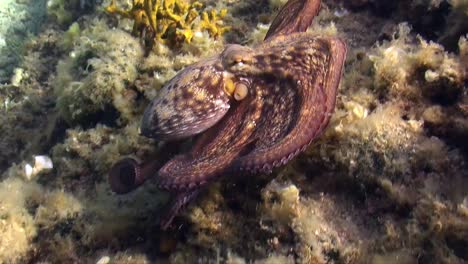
252, 109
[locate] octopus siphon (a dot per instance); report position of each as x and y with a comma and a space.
253, 109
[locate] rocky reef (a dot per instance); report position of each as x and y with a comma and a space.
386, 183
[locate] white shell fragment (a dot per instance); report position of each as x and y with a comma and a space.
28, 169
41, 162
103, 260
18, 75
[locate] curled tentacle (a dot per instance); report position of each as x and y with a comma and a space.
128, 174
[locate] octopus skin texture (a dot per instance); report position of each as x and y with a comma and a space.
253, 109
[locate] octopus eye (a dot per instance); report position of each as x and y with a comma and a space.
241, 91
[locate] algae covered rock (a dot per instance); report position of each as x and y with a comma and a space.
19, 21
97, 77
64, 12
415, 70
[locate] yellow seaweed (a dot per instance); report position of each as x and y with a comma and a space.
171, 22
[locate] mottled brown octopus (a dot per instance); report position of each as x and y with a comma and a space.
254, 108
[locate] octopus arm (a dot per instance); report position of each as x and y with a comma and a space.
295, 16
179, 202
213, 152
301, 106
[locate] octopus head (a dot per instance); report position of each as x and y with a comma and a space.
198, 96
